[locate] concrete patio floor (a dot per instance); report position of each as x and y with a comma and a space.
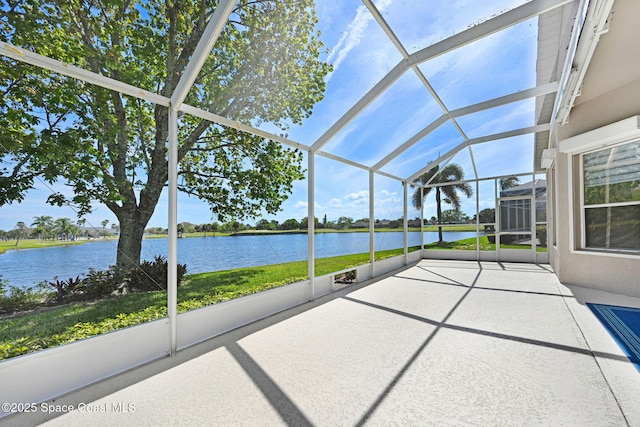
437, 343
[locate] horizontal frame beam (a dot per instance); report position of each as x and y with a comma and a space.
388, 175
510, 134
215, 118
514, 16
466, 181
72, 71
60, 67
342, 160
507, 99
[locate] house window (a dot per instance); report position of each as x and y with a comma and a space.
612, 198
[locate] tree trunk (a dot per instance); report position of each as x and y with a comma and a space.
129, 243
439, 213
133, 219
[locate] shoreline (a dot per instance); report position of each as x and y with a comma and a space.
39, 244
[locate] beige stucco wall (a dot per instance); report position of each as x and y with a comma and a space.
612, 273
611, 92
619, 104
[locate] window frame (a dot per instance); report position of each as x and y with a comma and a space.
583, 207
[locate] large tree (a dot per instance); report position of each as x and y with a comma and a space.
44, 224
452, 173
111, 148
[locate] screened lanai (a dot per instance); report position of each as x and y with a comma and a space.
422, 98
385, 96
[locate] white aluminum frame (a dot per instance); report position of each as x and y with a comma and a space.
172, 328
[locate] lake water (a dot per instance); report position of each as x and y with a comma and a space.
27, 267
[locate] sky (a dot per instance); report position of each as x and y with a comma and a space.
361, 54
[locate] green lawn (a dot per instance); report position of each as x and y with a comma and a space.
36, 243
30, 332
470, 244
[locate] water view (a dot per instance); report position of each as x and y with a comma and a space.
27, 267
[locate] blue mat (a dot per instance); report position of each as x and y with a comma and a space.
623, 323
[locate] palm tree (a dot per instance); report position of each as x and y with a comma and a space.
63, 226
43, 224
22, 229
75, 232
450, 173
510, 182
104, 228
81, 222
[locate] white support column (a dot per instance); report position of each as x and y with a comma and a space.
372, 253
405, 222
421, 218
534, 241
477, 219
172, 259
497, 218
202, 50
311, 224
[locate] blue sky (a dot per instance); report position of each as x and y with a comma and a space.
361, 54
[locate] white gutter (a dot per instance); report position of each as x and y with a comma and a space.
591, 22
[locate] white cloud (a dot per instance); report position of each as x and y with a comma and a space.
387, 198
335, 203
301, 204
500, 119
353, 36
359, 195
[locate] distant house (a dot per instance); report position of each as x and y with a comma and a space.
414, 223
515, 214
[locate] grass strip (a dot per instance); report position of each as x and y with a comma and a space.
470, 244
50, 327
39, 244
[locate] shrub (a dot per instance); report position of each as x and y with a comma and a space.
541, 233
80, 330
19, 299
65, 287
152, 275
99, 283
472, 247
